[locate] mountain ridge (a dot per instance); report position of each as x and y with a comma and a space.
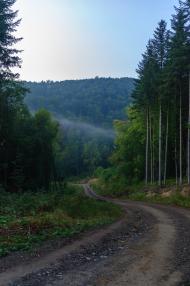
97, 101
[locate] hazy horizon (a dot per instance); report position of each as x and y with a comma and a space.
73, 40
75, 79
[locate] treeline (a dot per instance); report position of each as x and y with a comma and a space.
26, 141
96, 101
82, 106
154, 143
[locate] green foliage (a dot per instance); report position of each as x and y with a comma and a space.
97, 101
8, 53
28, 219
128, 156
127, 159
79, 154
152, 143
26, 141
175, 199
75, 103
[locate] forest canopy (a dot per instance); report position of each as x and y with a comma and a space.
85, 110
97, 101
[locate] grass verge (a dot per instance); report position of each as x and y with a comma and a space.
175, 199
28, 219
136, 193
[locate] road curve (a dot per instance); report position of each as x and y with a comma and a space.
164, 258
150, 245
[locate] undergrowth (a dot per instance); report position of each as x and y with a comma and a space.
28, 219
175, 199
137, 193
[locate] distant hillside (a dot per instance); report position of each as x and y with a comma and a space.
97, 101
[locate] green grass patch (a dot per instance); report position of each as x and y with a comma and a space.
175, 199
28, 219
137, 193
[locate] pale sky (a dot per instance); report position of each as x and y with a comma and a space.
74, 39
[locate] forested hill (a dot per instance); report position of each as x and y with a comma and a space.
97, 101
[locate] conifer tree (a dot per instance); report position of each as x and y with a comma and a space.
161, 39
144, 97
178, 71
10, 91
8, 53
186, 7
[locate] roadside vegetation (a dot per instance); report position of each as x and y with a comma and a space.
175, 199
30, 218
152, 194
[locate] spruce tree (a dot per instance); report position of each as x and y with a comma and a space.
186, 7
10, 91
177, 76
144, 99
8, 53
161, 46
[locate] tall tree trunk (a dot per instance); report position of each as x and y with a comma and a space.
166, 148
147, 146
176, 167
188, 142
151, 157
180, 141
160, 147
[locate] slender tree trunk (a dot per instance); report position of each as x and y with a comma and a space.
147, 146
188, 142
176, 168
160, 147
180, 142
151, 157
166, 148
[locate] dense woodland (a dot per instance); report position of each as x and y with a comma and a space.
82, 106
38, 149
26, 141
37, 155
154, 143
96, 101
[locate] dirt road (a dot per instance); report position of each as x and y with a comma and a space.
150, 246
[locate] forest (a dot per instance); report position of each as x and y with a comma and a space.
51, 131
97, 101
94, 173
38, 155
54, 136
153, 143
67, 126
26, 140
36, 149
85, 110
